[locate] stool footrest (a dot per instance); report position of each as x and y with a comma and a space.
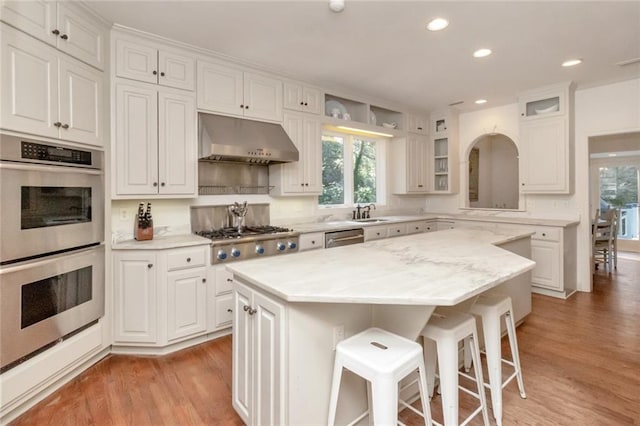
359, 418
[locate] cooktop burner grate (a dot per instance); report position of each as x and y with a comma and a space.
231, 232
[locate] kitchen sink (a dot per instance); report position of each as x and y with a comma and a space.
371, 220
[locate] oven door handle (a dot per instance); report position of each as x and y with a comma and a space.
49, 169
341, 239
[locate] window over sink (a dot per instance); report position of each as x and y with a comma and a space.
352, 170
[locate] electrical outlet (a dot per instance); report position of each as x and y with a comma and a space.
124, 214
338, 335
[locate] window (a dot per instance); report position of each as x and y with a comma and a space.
352, 170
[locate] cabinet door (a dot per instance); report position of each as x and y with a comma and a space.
81, 35
136, 61
268, 360
29, 100
135, 297
220, 89
224, 311
136, 151
312, 100
176, 70
312, 156
547, 270
242, 396
293, 96
545, 156
81, 103
186, 303
177, 144
293, 173
417, 158
35, 17
262, 97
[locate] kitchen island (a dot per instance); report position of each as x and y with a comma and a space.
290, 311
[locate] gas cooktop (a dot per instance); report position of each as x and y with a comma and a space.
248, 231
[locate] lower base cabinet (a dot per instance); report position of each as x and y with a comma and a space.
258, 357
159, 296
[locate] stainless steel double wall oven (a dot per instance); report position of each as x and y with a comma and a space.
51, 245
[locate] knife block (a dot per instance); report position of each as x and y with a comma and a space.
142, 232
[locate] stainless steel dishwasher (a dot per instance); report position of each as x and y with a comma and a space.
343, 238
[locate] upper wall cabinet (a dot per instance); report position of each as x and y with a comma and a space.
145, 62
444, 152
302, 98
417, 124
65, 25
546, 135
410, 159
47, 93
232, 91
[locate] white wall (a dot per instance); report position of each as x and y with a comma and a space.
602, 110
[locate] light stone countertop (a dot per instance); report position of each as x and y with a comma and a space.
349, 224
162, 242
437, 268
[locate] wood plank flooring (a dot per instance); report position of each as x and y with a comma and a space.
580, 357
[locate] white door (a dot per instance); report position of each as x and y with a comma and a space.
35, 17
177, 144
312, 100
136, 159
136, 61
262, 97
417, 148
293, 173
269, 381
242, 397
136, 298
544, 154
81, 103
293, 97
311, 157
81, 35
220, 89
547, 270
176, 70
187, 303
29, 100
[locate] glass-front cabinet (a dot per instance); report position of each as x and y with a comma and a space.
444, 148
547, 102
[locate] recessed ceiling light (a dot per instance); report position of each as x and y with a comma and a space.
571, 62
336, 6
481, 53
481, 101
437, 24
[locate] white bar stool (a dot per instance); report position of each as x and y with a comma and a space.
442, 333
491, 308
383, 359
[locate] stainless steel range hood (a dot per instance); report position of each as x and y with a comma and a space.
240, 140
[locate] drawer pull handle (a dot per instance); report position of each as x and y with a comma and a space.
229, 280
544, 235
150, 265
229, 310
188, 259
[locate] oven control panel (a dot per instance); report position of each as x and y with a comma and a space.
36, 151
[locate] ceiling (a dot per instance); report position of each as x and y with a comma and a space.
382, 49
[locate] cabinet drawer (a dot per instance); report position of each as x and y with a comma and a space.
430, 226
546, 234
224, 281
397, 230
416, 227
224, 310
186, 258
311, 241
375, 233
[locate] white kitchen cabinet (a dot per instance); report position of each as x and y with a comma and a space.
416, 227
65, 25
259, 364
377, 232
396, 229
233, 91
156, 147
154, 64
444, 152
553, 249
49, 94
160, 296
298, 97
417, 124
410, 159
546, 133
135, 297
311, 241
302, 177
220, 297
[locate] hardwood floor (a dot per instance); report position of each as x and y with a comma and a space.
580, 358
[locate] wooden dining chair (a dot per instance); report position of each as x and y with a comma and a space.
602, 239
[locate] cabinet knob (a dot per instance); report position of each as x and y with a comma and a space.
419, 186
544, 235
56, 32
306, 184
64, 36
65, 126
313, 241
246, 107
306, 104
204, 280
397, 230
162, 184
522, 114
419, 128
522, 183
229, 310
229, 280
155, 72
155, 183
188, 259
302, 184
150, 265
162, 74
57, 124
252, 311
246, 308
242, 106
377, 233
301, 103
